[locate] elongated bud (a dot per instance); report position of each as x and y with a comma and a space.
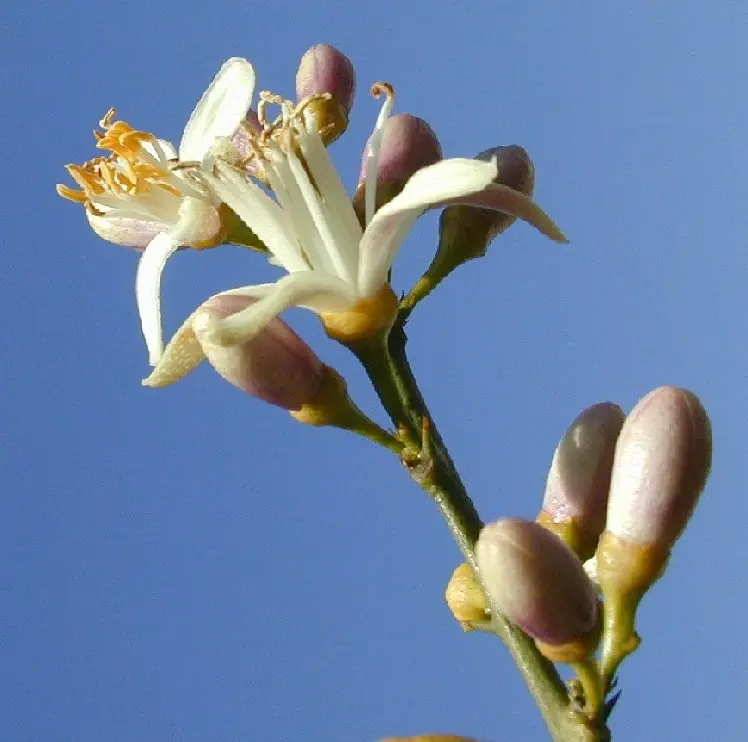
430, 738
576, 491
408, 144
538, 583
276, 365
466, 599
661, 464
326, 77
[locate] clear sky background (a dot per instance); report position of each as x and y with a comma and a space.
191, 564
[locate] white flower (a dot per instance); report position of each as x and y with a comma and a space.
146, 194
311, 229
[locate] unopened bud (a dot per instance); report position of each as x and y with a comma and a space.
276, 365
430, 738
576, 491
408, 144
539, 584
467, 231
465, 598
661, 464
326, 77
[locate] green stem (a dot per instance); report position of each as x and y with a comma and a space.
386, 363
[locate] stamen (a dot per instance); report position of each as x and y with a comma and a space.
266, 99
106, 121
78, 197
375, 145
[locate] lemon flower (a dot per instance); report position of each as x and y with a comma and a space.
335, 267
145, 193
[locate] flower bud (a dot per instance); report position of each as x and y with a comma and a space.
467, 231
538, 583
430, 738
408, 144
326, 77
276, 365
661, 464
576, 491
466, 599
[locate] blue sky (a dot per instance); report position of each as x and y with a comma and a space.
190, 564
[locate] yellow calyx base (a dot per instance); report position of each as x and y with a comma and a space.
331, 405
367, 318
465, 597
581, 542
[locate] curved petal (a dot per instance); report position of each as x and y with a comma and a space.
193, 214
220, 110
319, 292
182, 355
148, 291
121, 229
502, 198
427, 187
453, 181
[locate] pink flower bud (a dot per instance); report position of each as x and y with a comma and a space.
324, 69
408, 144
515, 167
661, 464
576, 491
431, 738
276, 365
537, 582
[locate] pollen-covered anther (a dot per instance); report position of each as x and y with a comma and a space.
124, 172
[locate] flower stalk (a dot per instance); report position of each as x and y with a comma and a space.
429, 464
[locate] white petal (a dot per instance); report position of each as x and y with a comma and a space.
387, 229
260, 213
505, 199
125, 228
192, 215
442, 181
148, 291
335, 199
469, 182
454, 181
319, 292
182, 355
220, 110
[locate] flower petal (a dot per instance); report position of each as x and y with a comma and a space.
182, 355
453, 181
117, 227
193, 215
502, 198
260, 213
427, 187
220, 110
319, 292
